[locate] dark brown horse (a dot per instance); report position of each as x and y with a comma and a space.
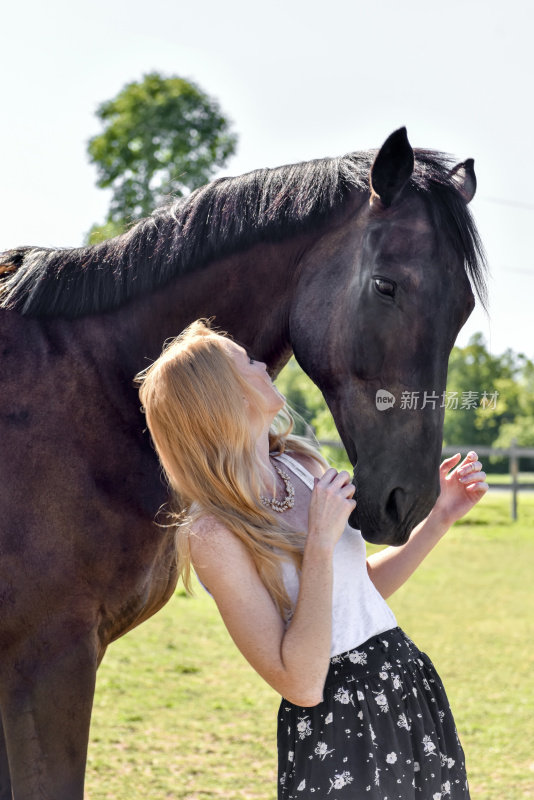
362, 266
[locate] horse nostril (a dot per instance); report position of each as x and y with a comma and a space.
394, 505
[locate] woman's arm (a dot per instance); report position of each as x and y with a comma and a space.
293, 661
461, 489
391, 567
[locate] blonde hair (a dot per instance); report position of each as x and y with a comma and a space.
193, 399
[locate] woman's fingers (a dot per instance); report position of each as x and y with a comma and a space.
337, 483
328, 476
477, 487
470, 459
449, 462
331, 504
343, 478
467, 472
334, 478
347, 489
476, 477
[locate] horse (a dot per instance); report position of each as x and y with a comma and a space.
364, 266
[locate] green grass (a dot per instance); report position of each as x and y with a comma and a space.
504, 478
179, 714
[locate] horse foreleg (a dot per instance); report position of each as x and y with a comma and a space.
46, 713
5, 780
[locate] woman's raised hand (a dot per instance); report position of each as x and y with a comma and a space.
330, 506
462, 486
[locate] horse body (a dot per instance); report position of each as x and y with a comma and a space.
81, 559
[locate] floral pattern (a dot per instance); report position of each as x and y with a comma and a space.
343, 696
340, 780
357, 657
384, 729
304, 727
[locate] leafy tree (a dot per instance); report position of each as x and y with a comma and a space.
311, 412
302, 395
99, 233
473, 371
521, 427
510, 378
161, 136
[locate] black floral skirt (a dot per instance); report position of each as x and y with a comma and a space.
383, 731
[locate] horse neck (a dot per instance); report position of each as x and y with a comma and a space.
248, 294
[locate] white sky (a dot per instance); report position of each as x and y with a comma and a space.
299, 79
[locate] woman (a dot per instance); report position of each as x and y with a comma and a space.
265, 526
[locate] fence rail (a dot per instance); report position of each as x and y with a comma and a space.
513, 453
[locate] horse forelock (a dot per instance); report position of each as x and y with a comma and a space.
224, 217
451, 216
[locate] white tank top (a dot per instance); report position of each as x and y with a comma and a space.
358, 610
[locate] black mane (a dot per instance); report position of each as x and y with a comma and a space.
223, 217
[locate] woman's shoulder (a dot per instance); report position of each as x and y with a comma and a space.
211, 541
220, 559
206, 526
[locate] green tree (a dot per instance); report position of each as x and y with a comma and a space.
311, 412
473, 371
302, 395
161, 137
521, 427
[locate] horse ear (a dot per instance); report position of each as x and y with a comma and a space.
464, 178
391, 168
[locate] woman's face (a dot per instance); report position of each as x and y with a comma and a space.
255, 374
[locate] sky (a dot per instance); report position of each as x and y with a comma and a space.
299, 79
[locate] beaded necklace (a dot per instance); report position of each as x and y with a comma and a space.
288, 501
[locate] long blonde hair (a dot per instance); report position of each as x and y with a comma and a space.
192, 396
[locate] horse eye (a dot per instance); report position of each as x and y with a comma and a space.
385, 287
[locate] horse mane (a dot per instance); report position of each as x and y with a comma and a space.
226, 216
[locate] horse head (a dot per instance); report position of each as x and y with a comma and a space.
380, 300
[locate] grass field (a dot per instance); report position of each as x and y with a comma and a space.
505, 479
179, 714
